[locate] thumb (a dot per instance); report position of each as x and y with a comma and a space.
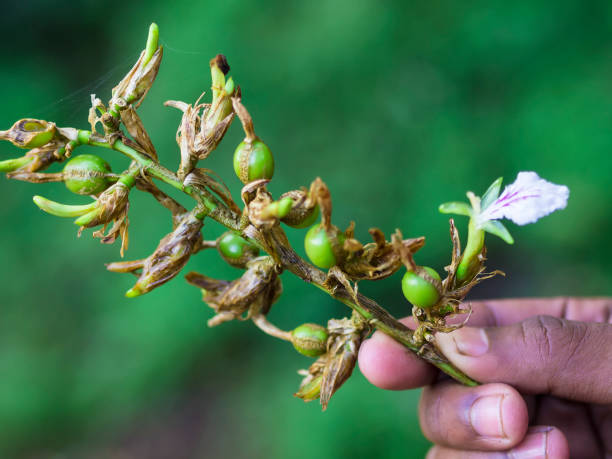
541, 355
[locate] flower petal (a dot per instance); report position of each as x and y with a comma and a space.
526, 200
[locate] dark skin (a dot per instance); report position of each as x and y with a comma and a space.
546, 369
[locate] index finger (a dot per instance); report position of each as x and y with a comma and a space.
389, 365
492, 313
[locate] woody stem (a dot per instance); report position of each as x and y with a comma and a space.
286, 256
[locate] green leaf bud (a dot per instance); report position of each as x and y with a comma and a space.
87, 174
310, 339
420, 291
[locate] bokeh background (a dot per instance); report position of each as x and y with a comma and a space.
399, 106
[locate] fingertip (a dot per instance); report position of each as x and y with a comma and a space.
557, 445
543, 441
389, 365
514, 414
490, 417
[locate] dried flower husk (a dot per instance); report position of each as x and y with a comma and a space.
30, 133
376, 260
257, 209
332, 369
27, 167
132, 122
35, 160
452, 293
207, 178
304, 210
250, 295
111, 207
168, 259
214, 124
136, 84
198, 135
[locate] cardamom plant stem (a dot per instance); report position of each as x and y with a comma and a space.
286, 256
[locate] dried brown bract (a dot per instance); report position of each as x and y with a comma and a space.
452, 294
112, 207
139, 80
332, 369
168, 259
253, 293
378, 259
204, 125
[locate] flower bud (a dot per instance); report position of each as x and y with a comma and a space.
222, 90
86, 174
135, 85
236, 250
198, 135
169, 258
310, 339
303, 212
62, 210
30, 133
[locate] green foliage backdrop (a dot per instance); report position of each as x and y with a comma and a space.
398, 106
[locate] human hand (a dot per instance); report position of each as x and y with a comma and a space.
546, 369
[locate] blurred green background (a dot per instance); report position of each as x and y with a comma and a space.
399, 106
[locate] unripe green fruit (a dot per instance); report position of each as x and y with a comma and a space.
418, 291
236, 250
253, 161
310, 339
87, 174
319, 247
